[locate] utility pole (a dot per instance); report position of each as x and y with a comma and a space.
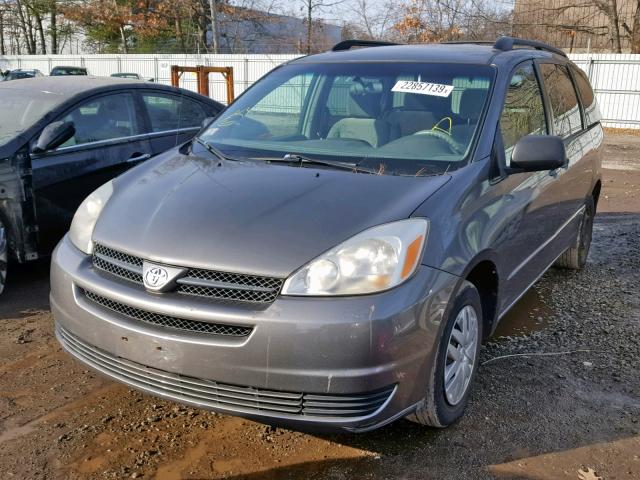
213, 6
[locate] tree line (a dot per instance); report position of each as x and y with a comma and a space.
187, 26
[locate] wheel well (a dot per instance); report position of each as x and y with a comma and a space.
596, 193
484, 277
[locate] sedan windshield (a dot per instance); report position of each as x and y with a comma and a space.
391, 118
22, 108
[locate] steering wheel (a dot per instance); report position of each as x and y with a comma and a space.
455, 147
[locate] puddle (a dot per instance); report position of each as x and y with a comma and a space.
529, 315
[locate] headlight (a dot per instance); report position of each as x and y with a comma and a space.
86, 217
377, 259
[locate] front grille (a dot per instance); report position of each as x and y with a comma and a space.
166, 320
197, 282
211, 394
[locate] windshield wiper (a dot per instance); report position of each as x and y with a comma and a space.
214, 151
295, 158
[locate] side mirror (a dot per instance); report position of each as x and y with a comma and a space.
54, 135
535, 153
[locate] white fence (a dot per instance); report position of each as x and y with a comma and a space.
616, 81
246, 68
615, 77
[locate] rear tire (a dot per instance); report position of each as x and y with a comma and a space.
444, 403
575, 257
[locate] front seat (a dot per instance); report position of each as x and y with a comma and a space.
416, 115
363, 108
471, 103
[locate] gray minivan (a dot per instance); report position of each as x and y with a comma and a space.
334, 247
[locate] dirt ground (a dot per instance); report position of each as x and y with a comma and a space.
572, 413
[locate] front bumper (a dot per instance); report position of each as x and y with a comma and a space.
350, 363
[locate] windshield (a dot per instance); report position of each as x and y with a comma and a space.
21, 109
391, 118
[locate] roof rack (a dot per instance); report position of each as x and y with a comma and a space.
508, 43
349, 44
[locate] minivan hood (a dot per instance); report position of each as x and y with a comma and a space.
248, 217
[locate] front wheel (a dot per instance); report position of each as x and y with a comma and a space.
575, 257
451, 374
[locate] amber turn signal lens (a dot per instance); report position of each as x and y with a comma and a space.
413, 253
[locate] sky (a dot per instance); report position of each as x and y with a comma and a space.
340, 13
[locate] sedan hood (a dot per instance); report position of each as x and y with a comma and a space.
248, 217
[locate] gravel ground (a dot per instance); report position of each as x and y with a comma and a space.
557, 396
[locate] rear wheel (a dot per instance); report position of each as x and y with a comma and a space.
575, 257
4, 254
452, 373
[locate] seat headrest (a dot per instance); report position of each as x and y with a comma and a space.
416, 101
364, 100
471, 102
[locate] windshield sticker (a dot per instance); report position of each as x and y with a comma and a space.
423, 88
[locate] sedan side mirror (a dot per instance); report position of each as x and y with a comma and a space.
535, 153
54, 135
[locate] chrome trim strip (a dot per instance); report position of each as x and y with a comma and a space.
544, 245
112, 141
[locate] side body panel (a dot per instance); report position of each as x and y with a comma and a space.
520, 222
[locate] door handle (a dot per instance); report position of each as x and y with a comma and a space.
137, 157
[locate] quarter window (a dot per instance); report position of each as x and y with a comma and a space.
523, 112
563, 100
589, 103
104, 118
170, 112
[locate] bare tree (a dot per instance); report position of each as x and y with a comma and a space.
311, 8
373, 22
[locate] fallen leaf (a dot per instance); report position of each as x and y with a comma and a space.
588, 474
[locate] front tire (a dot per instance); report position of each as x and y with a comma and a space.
575, 257
451, 374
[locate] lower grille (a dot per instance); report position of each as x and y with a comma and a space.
166, 320
210, 394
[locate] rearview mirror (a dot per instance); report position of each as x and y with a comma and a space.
535, 153
54, 135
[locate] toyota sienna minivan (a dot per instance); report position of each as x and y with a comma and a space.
333, 248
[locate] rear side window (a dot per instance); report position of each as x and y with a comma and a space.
587, 96
171, 112
523, 112
563, 99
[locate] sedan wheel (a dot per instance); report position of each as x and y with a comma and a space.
461, 355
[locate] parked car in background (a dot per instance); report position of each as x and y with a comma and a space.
333, 249
62, 138
20, 74
132, 76
65, 71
